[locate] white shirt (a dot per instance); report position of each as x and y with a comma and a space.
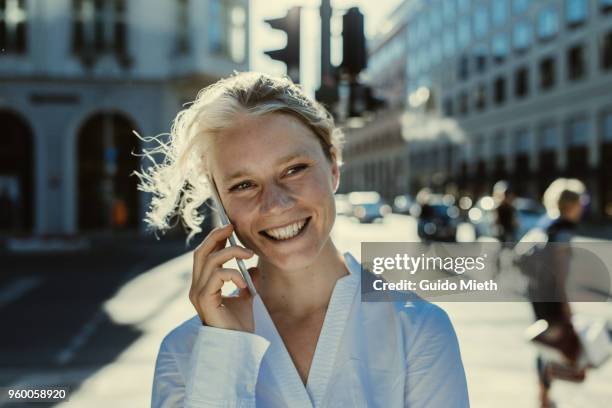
369, 354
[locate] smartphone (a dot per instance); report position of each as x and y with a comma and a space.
232, 239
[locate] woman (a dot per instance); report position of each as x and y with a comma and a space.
306, 339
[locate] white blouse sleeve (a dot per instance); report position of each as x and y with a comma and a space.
434, 371
223, 369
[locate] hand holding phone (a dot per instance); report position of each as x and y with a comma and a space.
209, 275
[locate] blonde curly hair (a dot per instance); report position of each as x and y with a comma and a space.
178, 183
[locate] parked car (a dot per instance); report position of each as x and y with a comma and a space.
343, 205
437, 219
368, 206
402, 204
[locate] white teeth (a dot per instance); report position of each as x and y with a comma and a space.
287, 232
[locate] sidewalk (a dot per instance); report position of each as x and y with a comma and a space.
500, 365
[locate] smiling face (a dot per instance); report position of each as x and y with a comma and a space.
277, 187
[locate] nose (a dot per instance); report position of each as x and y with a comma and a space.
275, 199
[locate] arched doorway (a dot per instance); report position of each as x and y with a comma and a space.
16, 175
107, 193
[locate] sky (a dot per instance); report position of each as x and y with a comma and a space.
263, 38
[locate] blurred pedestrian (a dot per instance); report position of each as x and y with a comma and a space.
564, 203
506, 219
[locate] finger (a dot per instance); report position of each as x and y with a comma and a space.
212, 288
219, 258
215, 240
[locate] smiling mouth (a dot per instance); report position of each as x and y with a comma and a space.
288, 232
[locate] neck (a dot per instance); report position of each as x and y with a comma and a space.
300, 292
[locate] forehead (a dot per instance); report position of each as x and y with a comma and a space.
259, 141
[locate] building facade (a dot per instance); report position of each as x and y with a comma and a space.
77, 78
510, 89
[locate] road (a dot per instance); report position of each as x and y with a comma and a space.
95, 324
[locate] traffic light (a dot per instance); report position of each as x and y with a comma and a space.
362, 100
354, 57
290, 55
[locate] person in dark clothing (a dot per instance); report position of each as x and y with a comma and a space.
563, 200
506, 218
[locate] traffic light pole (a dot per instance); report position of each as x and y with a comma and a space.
327, 93
326, 71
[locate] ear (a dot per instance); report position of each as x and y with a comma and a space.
335, 169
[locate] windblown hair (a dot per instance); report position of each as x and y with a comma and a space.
178, 182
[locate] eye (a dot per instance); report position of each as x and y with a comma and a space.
241, 186
296, 169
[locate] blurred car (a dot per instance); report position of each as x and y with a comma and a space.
343, 205
529, 212
402, 204
368, 206
437, 219
483, 216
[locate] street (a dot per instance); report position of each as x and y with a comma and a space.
94, 322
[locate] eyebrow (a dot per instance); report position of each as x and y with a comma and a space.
285, 159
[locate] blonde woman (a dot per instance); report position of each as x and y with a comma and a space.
306, 339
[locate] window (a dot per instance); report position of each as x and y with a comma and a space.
521, 36
499, 90
521, 82
480, 97
605, 6
480, 58
99, 27
463, 32
520, 6
13, 26
435, 49
500, 47
548, 23
481, 22
499, 12
576, 12
448, 107
547, 73
498, 144
216, 33
549, 137
448, 10
435, 17
606, 51
464, 64
522, 141
463, 5
578, 132
463, 103
449, 43
576, 62
182, 33
226, 29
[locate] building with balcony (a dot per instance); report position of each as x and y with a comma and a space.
77, 77
510, 89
